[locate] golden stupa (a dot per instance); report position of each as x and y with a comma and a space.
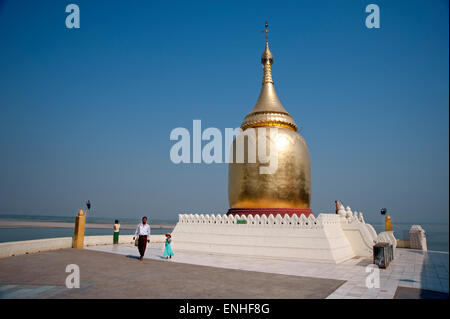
288, 190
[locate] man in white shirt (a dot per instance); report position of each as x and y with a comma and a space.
143, 233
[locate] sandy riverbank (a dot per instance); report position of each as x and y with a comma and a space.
38, 224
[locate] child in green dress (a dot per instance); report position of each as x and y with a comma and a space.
168, 253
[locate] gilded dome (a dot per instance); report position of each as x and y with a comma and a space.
290, 185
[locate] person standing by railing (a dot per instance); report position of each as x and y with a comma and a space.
116, 228
338, 205
143, 235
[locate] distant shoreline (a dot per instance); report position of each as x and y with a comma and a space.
10, 223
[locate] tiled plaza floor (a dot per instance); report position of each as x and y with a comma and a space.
113, 272
410, 268
104, 275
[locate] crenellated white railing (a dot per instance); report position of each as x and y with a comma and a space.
261, 221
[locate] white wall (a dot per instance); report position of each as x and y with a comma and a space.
33, 246
123, 239
16, 248
318, 239
361, 236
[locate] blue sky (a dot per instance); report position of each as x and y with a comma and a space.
87, 113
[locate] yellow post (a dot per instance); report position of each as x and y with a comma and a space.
78, 238
388, 223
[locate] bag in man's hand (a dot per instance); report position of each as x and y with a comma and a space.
136, 242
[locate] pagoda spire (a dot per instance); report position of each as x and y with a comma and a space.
268, 110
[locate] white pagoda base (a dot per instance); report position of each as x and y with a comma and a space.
330, 238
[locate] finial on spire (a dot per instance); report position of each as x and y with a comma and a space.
267, 59
266, 31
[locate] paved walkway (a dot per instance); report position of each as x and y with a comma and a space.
198, 275
105, 275
411, 269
